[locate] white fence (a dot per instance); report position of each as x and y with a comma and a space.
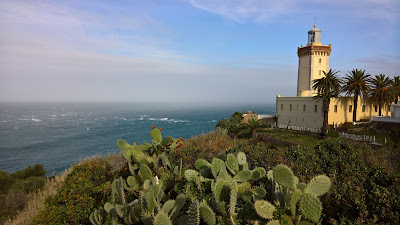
385, 119
292, 127
356, 137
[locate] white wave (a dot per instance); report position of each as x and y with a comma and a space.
23, 119
5, 121
140, 118
36, 120
163, 119
15, 128
153, 119
213, 121
88, 128
123, 118
53, 115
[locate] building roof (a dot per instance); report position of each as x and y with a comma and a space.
315, 29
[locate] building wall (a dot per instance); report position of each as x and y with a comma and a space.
299, 111
307, 111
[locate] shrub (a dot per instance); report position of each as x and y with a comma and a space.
236, 117
224, 123
36, 171
87, 187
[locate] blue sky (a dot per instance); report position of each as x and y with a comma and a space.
183, 50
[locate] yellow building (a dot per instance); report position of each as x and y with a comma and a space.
304, 110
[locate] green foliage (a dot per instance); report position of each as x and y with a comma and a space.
236, 117
207, 213
224, 123
15, 187
86, 188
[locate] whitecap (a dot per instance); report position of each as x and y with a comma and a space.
140, 118
15, 128
153, 119
163, 119
88, 128
5, 121
213, 121
36, 120
123, 118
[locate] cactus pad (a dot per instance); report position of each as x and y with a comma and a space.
233, 163
193, 213
191, 175
310, 207
201, 163
301, 186
123, 145
319, 185
162, 218
156, 134
273, 222
264, 209
145, 172
293, 201
233, 198
168, 206
241, 158
283, 175
207, 213
259, 192
258, 173
215, 166
242, 176
166, 141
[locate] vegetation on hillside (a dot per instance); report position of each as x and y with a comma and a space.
15, 188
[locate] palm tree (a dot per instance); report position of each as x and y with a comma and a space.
381, 93
327, 87
253, 125
396, 86
356, 84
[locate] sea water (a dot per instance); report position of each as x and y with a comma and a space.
58, 135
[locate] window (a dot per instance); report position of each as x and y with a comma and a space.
282, 107
315, 108
350, 108
376, 108
304, 108
363, 108
320, 60
335, 108
290, 107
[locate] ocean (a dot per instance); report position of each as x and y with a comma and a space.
58, 135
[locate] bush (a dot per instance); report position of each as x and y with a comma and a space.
87, 187
236, 117
36, 171
224, 123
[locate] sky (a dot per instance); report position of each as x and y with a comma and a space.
236, 51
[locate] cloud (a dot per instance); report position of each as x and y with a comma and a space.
271, 10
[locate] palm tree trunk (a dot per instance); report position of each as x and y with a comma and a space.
380, 111
325, 109
355, 108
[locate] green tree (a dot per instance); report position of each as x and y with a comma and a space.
396, 87
236, 117
381, 93
224, 123
327, 87
253, 125
356, 83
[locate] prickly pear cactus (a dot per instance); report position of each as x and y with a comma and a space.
194, 213
283, 175
242, 176
310, 207
293, 201
319, 185
241, 158
201, 163
259, 192
162, 219
232, 162
273, 222
97, 217
264, 209
207, 213
258, 173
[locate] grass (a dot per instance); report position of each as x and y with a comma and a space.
297, 137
